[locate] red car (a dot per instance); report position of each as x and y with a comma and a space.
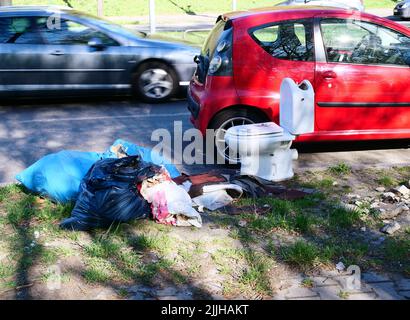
358, 63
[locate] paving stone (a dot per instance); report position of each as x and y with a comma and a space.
143, 289
168, 298
324, 281
405, 294
362, 296
170, 291
386, 291
316, 297
299, 293
138, 296
279, 296
363, 288
184, 296
329, 292
403, 284
371, 277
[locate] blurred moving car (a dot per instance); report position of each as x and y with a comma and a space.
59, 51
345, 4
357, 62
402, 9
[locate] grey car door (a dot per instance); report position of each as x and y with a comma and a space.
21, 49
71, 63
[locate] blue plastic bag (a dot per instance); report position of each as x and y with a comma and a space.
146, 155
58, 175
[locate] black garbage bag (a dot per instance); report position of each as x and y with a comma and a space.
109, 194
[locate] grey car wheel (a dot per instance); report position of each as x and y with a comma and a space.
226, 120
220, 144
155, 82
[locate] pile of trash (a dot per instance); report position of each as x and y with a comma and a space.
129, 182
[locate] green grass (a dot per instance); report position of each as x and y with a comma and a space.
398, 250
343, 295
141, 7
302, 255
160, 243
96, 273
387, 181
6, 270
340, 169
307, 283
256, 274
287, 215
341, 218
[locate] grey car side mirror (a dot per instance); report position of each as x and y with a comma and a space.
96, 43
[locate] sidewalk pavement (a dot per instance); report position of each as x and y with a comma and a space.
340, 286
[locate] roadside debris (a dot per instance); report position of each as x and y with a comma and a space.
391, 228
255, 187
340, 267
170, 203
218, 196
58, 176
402, 190
129, 182
109, 194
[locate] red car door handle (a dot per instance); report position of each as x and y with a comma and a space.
329, 75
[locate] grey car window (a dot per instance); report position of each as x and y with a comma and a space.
290, 40
360, 42
68, 32
18, 31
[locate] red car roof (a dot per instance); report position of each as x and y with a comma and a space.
305, 12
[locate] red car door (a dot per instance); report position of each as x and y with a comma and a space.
362, 80
268, 53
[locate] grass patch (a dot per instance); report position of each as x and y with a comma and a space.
7, 191
343, 295
340, 169
387, 181
6, 270
398, 250
287, 215
95, 274
303, 255
256, 275
307, 283
342, 218
148, 271
160, 243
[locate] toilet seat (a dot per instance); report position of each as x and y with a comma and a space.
268, 131
257, 130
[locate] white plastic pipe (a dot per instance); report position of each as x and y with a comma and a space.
152, 22
100, 8
234, 5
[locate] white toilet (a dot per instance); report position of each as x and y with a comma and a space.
265, 149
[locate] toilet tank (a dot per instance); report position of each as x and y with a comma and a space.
297, 107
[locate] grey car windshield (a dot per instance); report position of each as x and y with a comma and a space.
112, 27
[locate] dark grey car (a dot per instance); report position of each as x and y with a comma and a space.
402, 9
50, 51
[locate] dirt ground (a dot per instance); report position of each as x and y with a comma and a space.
255, 249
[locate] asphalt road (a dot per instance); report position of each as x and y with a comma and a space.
31, 131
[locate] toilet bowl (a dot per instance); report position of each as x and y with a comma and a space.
264, 149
